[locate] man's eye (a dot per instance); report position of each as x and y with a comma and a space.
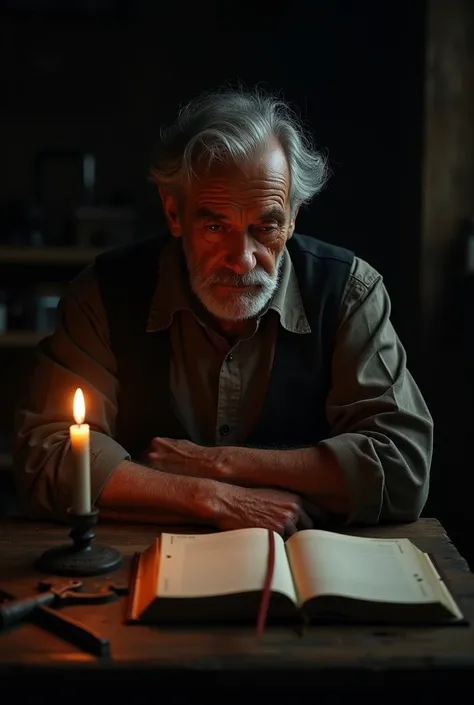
267, 231
214, 227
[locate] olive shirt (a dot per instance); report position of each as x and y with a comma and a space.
381, 430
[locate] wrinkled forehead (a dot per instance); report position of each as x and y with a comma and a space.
264, 176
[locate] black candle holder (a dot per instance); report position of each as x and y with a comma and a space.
82, 557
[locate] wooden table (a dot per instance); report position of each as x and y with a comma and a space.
406, 663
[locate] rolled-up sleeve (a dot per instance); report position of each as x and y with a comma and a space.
78, 354
381, 428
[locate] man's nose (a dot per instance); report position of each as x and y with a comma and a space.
240, 257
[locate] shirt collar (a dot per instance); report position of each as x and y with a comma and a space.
173, 294
287, 300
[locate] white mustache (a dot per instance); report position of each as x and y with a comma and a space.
254, 278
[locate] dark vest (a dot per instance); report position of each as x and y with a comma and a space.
293, 413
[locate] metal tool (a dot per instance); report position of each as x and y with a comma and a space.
42, 610
52, 594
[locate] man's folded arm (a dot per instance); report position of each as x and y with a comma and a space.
381, 428
78, 354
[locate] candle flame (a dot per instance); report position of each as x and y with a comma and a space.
79, 407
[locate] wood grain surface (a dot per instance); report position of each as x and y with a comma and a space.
334, 657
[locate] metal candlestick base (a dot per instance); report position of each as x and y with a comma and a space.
81, 557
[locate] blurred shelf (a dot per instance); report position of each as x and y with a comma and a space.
20, 339
5, 461
48, 255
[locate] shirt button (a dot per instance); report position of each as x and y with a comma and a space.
224, 429
230, 357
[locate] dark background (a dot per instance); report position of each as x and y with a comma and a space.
101, 77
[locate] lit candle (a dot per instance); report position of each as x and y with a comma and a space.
79, 433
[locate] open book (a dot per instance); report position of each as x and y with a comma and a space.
317, 575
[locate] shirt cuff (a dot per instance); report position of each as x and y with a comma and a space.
106, 456
363, 474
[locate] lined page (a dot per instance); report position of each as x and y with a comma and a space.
222, 563
386, 570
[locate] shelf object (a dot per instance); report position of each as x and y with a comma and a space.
21, 338
48, 255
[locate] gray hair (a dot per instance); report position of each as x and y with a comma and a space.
232, 125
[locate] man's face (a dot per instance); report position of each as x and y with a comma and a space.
235, 222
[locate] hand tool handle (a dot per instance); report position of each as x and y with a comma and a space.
15, 611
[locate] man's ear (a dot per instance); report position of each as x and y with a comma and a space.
170, 208
292, 224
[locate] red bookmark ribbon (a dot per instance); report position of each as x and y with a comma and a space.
267, 586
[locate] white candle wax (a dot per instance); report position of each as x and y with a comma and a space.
81, 497
79, 434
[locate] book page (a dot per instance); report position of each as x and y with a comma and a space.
386, 570
440, 588
224, 563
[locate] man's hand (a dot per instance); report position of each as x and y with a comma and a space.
181, 457
231, 506
241, 507
313, 473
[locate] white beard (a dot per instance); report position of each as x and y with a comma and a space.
238, 305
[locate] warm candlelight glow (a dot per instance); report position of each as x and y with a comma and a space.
79, 407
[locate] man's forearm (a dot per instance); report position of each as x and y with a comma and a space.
311, 472
134, 492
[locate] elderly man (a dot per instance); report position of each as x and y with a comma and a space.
236, 373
